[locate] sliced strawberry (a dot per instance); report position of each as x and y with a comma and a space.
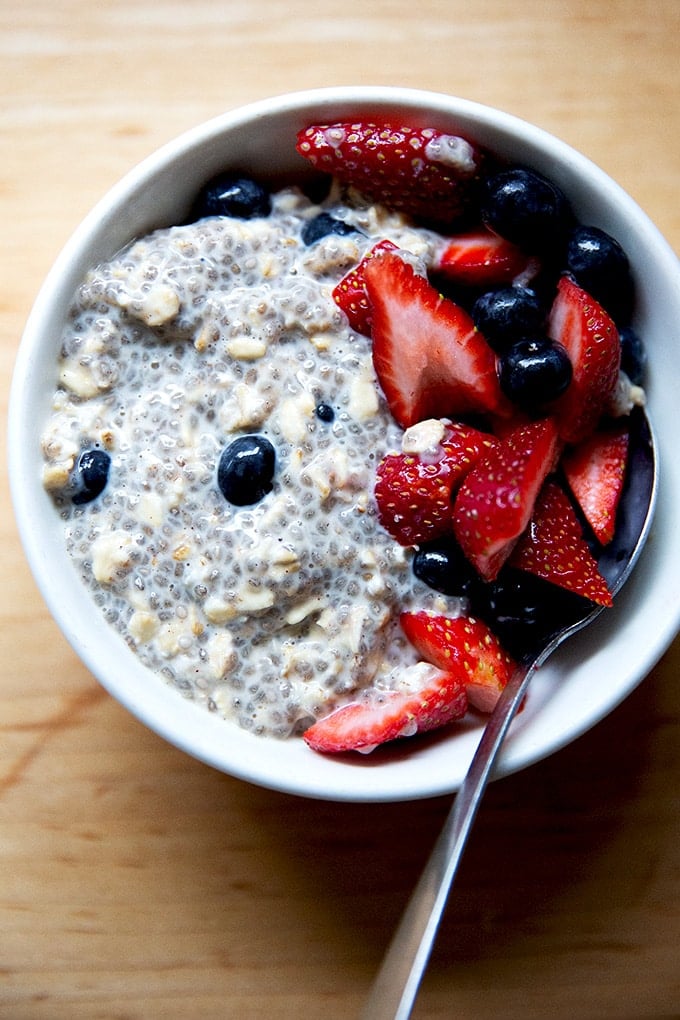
465, 445
482, 258
496, 499
430, 360
434, 698
419, 171
414, 497
595, 471
591, 340
350, 294
553, 548
414, 491
463, 646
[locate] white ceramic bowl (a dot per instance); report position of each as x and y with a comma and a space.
590, 674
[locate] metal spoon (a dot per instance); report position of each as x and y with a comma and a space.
398, 980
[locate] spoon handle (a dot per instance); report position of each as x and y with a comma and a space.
396, 984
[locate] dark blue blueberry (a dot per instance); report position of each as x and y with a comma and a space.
599, 264
633, 355
324, 412
534, 371
90, 476
231, 195
322, 226
526, 208
524, 611
442, 566
245, 473
507, 315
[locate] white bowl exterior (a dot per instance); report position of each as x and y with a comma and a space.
592, 672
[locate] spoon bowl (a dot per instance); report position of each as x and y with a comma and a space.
398, 979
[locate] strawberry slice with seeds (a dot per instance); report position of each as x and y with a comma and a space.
351, 295
414, 497
496, 499
480, 258
414, 489
464, 646
419, 171
430, 699
591, 340
554, 548
465, 444
595, 471
430, 360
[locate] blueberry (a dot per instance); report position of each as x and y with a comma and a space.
526, 208
599, 264
324, 412
442, 566
322, 226
231, 195
534, 371
90, 476
245, 473
506, 315
524, 611
633, 355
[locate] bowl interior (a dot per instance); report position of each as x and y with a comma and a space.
584, 680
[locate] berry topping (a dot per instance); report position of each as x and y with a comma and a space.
599, 264
591, 340
89, 476
324, 225
525, 611
534, 372
324, 412
418, 171
442, 566
507, 315
553, 547
526, 208
479, 258
414, 497
595, 471
413, 491
496, 498
351, 295
245, 473
229, 195
431, 699
464, 647
430, 360
633, 355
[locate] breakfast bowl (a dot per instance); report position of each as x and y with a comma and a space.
573, 690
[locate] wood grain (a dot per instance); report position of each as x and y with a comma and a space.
136, 883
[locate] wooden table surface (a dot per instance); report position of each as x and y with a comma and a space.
136, 883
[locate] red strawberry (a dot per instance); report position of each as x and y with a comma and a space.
414, 497
419, 171
496, 498
595, 471
465, 647
430, 360
465, 445
553, 548
434, 699
413, 491
350, 294
481, 258
592, 342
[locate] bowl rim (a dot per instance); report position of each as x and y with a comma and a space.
409, 775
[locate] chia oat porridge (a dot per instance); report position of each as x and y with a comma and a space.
273, 612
